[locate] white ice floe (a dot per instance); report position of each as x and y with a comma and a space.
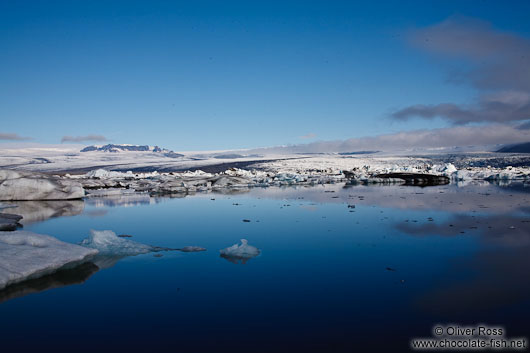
197, 173
108, 243
26, 255
239, 252
446, 169
102, 173
16, 185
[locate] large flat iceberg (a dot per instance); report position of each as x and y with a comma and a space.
26, 255
16, 185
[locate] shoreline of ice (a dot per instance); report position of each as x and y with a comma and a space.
108, 183
315, 170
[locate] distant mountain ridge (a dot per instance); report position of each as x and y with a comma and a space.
517, 148
131, 148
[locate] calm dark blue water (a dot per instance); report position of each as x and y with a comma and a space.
329, 277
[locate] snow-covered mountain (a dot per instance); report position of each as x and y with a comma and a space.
123, 157
131, 148
517, 148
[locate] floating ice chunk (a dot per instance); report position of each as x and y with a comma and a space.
230, 181
107, 174
243, 252
108, 243
197, 173
449, 168
26, 255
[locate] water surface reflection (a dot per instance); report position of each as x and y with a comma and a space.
340, 267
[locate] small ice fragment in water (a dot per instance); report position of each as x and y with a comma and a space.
243, 252
108, 243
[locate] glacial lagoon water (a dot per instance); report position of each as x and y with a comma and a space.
341, 269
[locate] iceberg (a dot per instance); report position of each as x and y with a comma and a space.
103, 173
108, 243
16, 185
26, 255
240, 253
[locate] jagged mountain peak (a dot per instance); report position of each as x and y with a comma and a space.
131, 148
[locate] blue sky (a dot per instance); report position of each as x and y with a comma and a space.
207, 75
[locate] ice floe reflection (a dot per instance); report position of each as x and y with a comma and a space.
494, 280
342, 263
38, 211
61, 278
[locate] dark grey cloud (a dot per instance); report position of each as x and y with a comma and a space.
501, 107
499, 69
83, 138
524, 126
490, 134
12, 137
